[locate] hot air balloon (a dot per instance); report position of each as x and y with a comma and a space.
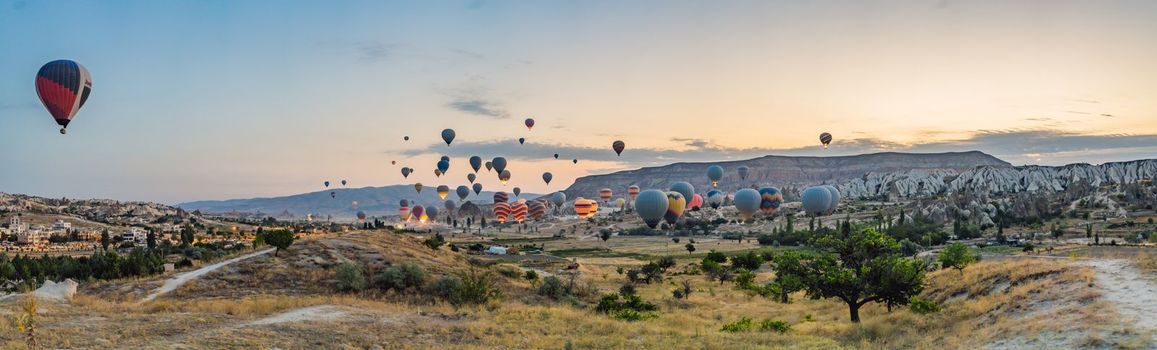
418, 187
556, 156
575, 161
816, 200
742, 171
536, 209
471, 177
450, 205
437, 173
714, 199
499, 164
361, 216
651, 206
620, 203
676, 203
546, 177
343, 182
404, 213
618, 146
504, 176
469, 209
462, 192
835, 200
585, 208
684, 189
445, 158
825, 138
746, 202
443, 165
558, 199
443, 190
501, 211
63, 87
326, 183
519, 211
501, 197
393, 162
309, 217
605, 194
354, 204
769, 199
714, 173
477, 188
476, 163
529, 123
633, 191
432, 212
489, 165
448, 136
405, 172
406, 138
332, 194
517, 191
419, 212
696, 202
521, 140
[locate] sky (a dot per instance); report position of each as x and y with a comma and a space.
234, 99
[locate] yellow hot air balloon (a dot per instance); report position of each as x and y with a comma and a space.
443, 190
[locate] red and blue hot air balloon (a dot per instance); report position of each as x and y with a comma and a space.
63, 87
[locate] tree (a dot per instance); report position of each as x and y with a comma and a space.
788, 272
105, 240
605, 234
280, 239
748, 261
1089, 230
1057, 231
858, 269
151, 240
690, 248
956, 256
790, 224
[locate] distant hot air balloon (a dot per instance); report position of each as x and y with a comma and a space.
405, 172
618, 146
501, 211
529, 123
536, 209
558, 199
521, 140
517, 191
476, 163
499, 164
404, 213
742, 171
633, 192
450, 205
445, 158
437, 173
651, 206
477, 188
332, 194
769, 199
418, 187
403, 203
326, 183
546, 177
519, 211
501, 197
432, 212
676, 203
746, 202
443, 165
393, 162
63, 87
816, 200
448, 136
714, 173
605, 194
489, 166
471, 177
343, 182
835, 200
406, 138
684, 188
361, 216
620, 203
556, 156
504, 176
309, 217
696, 202
462, 191
585, 208
825, 138
419, 212
443, 190
354, 204
575, 161
714, 199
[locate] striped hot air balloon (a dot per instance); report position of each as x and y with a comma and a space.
501, 211
63, 87
501, 197
536, 209
585, 208
825, 138
519, 211
605, 194
618, 146
769, 199
633, 191
675, 206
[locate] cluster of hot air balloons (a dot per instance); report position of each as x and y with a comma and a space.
820, 200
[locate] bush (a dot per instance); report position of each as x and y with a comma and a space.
666, 262
476, 288
350, 278
553, 288
774, 325
443, 288
632, 315
408, 276
628, 289
509, 271
922, 307
716, 257
435, 242
749, 261
530, 275
744, 324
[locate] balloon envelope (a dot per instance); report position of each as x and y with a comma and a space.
501, 197
746, 202
696, 202
403, 203
471, 177
504, 176
769, 199
675, 206
529, 123
450, 205
825, 138
517, 191
684, 189
816, 200
835, 200
448, 136
714, 199
546, 177
499, 163
605, 194
443, 165
405, 173
462, 191
521, 140
432, 211
558, 199
63, 86
651, 206
443, 190
477, 188
501, 211
742, 171
618, 146
476, 163
714, 173
418, 187
633, 191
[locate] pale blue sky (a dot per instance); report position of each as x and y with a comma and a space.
224, 99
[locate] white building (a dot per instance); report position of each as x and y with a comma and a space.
135, 234
61, 225
16, 226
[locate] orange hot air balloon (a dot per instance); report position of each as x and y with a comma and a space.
443, 190
501, 212
536, 209
519, 211
585, 208
605, 194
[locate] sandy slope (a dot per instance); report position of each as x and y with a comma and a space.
182, 278
1134, 295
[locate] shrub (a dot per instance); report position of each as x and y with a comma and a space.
749, 261
509, 271
435, 242
666, 262
628, 289
553, 288
716, 257
744, 324
632, 315
350, 278
443, 288
774, 325
476, 288
922, 307
530, 275
408, 276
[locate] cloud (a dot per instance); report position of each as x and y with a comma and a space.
374, 51
478, 106
1043, 147
1077, 112
1081, 100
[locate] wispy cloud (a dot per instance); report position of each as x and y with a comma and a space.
373, 51
478, 106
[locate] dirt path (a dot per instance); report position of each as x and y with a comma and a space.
312, 313
184, 277
1134, 295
